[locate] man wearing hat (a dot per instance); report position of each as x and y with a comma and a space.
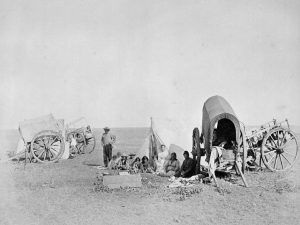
107, 140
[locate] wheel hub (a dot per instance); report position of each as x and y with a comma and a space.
279, 150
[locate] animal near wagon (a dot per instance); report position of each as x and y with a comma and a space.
43, 139
80, 136
276, 144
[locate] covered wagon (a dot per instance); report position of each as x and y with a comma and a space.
221, 134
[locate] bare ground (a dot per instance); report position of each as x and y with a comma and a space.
68, 192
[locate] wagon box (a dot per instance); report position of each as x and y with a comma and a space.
29, 128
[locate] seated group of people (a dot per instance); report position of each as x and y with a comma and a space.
163, 165
133, 165
172, 166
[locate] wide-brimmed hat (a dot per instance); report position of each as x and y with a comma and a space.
106, 128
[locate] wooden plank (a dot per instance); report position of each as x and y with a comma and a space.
117, 181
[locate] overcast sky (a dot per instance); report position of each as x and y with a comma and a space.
120, 62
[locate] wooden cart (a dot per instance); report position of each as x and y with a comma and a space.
80, 136
43, 138
274, 144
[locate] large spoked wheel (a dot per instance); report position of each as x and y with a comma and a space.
279, 149
47, 146
90, 143
77, 142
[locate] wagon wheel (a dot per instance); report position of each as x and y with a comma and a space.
90, 143
47, 146
80, 142
279, 149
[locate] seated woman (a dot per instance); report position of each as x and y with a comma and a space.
145, 165
136, 165
172, 166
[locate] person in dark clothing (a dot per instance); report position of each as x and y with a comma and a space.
187, 167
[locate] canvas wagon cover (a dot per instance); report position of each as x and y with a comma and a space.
78, 123
29, 128
214, 109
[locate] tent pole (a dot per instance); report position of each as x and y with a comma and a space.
151, 123
151, 139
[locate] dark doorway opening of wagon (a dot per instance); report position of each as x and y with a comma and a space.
224, 134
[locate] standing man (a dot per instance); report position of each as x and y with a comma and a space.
107, 140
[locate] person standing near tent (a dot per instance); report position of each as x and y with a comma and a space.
161, 158
107, 140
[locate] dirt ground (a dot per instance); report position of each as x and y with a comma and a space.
69, 192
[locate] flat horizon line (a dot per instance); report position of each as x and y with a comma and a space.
291, 125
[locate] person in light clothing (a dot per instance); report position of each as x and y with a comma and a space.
107, 140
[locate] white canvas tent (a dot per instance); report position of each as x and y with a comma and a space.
167, 133
152, 144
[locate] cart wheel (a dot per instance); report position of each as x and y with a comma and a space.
47, 146
279, 149
80, 142
90, 143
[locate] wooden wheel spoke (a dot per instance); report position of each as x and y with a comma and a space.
271, 159
54, 150
54, 140
286, 159
273, 141
275, 161
269, 147
41, 153
281, 162
79, 145
53, 154
277, 140
45, 155
269, 152
56, 145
